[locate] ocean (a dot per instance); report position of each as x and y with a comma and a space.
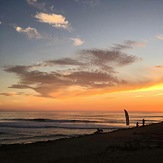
30, 127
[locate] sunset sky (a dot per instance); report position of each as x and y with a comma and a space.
81, 55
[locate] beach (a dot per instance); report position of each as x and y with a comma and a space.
138, 144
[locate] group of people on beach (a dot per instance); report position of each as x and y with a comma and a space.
143, 123
99, 131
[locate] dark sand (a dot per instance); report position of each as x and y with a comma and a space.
135, 145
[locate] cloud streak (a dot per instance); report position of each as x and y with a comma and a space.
159, 37
129, 44
77, 41
29, 32
36, 4
159, 66
91, 3
11, 93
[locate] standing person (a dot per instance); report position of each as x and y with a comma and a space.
143, 122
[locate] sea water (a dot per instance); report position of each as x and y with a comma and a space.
29, 127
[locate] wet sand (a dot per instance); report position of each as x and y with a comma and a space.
135, 145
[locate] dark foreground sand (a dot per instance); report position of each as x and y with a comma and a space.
135, 145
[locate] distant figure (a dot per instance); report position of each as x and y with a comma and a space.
143, 122
137, 124
99, 131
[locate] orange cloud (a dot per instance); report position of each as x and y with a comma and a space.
159, 66
58, 21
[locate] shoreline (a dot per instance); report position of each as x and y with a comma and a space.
121, 145
59, 138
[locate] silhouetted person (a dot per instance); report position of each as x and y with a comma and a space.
143, 122
99, 131
137, 124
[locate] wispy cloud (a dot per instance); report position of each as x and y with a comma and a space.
56, 20
90, 69
10, 93
64, 62
111, 57
36, 4
159, 37
159, 94
159, 66
91, 3
129, 44
29, 32
77, 41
